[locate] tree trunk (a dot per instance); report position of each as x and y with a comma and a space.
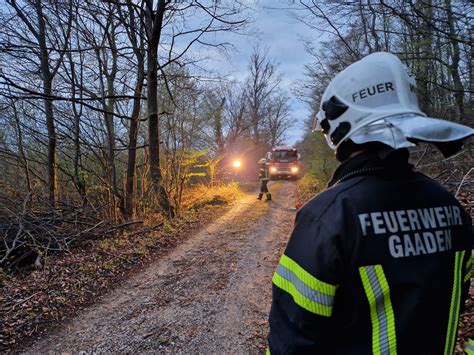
153, 23
218, 127
78, 179
132, 145
130, 180
23, 154
364, 26
373, 30
454, 66
48, 107
80, 183
422, 47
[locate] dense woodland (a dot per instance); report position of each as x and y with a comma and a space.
433, 38
111, 118
108, 114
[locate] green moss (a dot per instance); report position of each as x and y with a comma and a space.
108, 245
88, 269
108, 265
3, 277
168, 228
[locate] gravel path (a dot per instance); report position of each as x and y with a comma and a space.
210, 295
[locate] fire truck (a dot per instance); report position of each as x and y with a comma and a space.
284, 163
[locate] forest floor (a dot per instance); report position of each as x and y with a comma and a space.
211, 294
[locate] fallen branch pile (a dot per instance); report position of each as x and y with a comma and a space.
29, 237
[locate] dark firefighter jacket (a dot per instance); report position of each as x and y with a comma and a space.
263, 173
379, 262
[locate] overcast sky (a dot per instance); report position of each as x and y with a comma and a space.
278, 32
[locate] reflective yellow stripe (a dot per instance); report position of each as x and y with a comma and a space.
267, 352
306, 277
381, 311
308, 292
469, 349
467, 277
373, 310
455, 303
391, 336
468, 271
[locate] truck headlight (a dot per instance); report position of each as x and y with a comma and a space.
294, 169
273, 169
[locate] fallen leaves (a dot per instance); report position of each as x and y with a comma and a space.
34, 301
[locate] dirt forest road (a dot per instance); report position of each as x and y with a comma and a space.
210, 295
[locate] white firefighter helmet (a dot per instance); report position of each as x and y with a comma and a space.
374, 100
262, 161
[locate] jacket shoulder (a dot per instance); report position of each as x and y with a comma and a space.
322, 202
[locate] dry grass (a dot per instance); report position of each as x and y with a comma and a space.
200, 196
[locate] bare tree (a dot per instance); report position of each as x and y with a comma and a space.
235, 118
455, 55
278, 119
135, 33
47, 69
92, 61
262, 81
153, 25
428, 35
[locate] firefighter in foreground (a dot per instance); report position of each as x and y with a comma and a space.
379, 262
263, 176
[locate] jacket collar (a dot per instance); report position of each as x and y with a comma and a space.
391, 163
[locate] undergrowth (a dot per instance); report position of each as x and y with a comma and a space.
200, 196
308, 187
31, 301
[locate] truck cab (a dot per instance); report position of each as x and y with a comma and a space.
284, 163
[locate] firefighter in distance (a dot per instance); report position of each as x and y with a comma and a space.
264, 178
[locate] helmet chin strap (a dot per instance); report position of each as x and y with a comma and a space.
345, 150
356, 153
385, 152
348, 149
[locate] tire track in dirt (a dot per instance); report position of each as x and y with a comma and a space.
212, 294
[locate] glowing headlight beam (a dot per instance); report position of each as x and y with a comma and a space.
237, 164
294, 169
